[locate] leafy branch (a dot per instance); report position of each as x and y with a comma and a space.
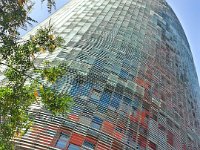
21, 89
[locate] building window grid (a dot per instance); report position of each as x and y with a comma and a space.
139, 19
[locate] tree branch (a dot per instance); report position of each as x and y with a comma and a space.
26, 75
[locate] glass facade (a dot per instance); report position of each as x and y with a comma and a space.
131, 75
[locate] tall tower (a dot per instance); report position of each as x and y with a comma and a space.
131, 75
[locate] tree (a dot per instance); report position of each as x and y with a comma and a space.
20, 89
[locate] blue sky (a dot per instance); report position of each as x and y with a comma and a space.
188, 12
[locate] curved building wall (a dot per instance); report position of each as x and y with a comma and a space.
131, 75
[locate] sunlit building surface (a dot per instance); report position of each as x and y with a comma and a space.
131, 75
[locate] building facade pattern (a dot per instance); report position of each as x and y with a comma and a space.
131, 75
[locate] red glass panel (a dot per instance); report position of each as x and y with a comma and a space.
142, 83
89, 139
184, 147
152, 145
108, 127
102, 146
77, 139
170, 138
142, 141
144, 114
117, 146
118, 135
134, 136
73, 117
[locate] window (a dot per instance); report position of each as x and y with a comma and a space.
96, 123
88, 145
73, 147
161, 127
62, 141
169, 123
95, 94
119, 129
123, 74
115, 101
105, 98
170, 138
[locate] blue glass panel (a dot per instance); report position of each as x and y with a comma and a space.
88, 145
95, 125
98, 63
127, 100
94, 101
123, 74
119, 129
84, 91
74, 90
76, 109
102, 109
105, 99
115, 101
136, 102
95, 94
73, 147
131, 77
85, 88
62, 141
97, 120
126, 64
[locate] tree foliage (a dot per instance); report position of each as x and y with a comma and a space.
20, 89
